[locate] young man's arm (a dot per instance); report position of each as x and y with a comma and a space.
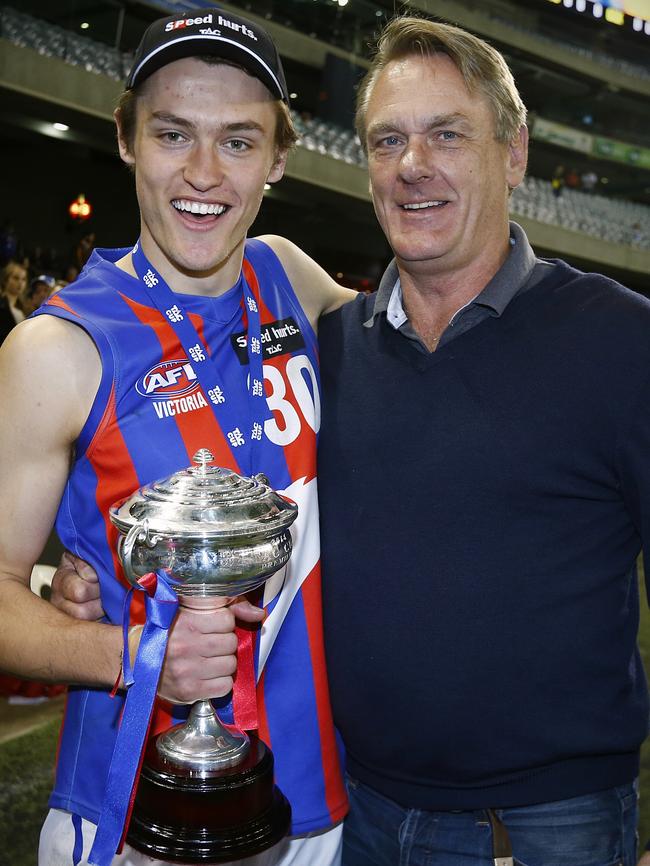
317, 292
49, 373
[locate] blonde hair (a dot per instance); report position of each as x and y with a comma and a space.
482, 67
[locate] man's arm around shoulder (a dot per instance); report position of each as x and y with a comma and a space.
317, 292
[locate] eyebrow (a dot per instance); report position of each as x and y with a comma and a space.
238, 126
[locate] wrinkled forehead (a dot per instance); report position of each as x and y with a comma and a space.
421, 87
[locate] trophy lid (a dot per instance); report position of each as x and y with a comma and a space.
208, 502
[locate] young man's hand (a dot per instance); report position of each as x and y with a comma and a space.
201, 654
201, 657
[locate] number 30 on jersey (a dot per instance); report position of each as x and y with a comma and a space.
297, 387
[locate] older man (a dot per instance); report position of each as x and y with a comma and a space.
485, 491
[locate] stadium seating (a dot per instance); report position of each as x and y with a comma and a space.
615, 220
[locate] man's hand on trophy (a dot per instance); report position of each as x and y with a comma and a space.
75, 589
201, 654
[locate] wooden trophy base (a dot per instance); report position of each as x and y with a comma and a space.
214, 817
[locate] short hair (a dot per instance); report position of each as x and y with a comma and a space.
482, 67
285, 131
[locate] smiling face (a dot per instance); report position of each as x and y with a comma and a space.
203, 149
439, 179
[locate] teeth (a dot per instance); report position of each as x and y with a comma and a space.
183, 204
423, 204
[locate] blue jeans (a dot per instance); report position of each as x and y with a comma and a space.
594, 830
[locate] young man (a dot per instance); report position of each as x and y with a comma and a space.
482, 550
94, 407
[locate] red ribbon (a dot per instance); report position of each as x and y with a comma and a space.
244, 698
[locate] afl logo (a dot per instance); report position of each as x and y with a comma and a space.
167, 380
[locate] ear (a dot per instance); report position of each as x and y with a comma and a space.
517, 158
277, 169
125, 152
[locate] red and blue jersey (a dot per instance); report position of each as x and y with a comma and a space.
149, 418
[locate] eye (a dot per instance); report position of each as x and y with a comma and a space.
172, 136
389, 141
385, 143
448, 135
238, 145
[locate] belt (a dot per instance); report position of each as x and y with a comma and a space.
501, 847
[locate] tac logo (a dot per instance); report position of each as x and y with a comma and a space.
167, 380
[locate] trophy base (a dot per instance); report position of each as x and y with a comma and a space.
182, 816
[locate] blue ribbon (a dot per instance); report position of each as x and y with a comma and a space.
138, 708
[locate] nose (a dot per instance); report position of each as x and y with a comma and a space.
416, 162
203, 169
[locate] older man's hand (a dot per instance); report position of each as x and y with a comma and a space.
75, 589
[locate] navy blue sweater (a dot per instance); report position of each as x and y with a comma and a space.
482, 509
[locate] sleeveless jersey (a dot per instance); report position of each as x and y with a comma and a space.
148, 419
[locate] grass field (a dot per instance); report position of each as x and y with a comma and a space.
26, 777
26, 764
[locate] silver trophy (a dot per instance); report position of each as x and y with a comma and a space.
206, 792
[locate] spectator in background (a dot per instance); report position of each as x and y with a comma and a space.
572, 179
557, 181
589, 180
637, 235
70, 274
12, 284
37, 291
83, 250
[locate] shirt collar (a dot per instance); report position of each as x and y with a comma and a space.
513, 274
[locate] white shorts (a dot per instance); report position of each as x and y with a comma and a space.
57, 845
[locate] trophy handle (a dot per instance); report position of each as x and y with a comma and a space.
139, 532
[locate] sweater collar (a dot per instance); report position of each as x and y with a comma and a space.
512, 276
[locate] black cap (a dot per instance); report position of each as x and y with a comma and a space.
210, 31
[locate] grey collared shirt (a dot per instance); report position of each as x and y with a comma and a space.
520, 271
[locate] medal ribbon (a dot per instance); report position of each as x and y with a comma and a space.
161, 603
219, 390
